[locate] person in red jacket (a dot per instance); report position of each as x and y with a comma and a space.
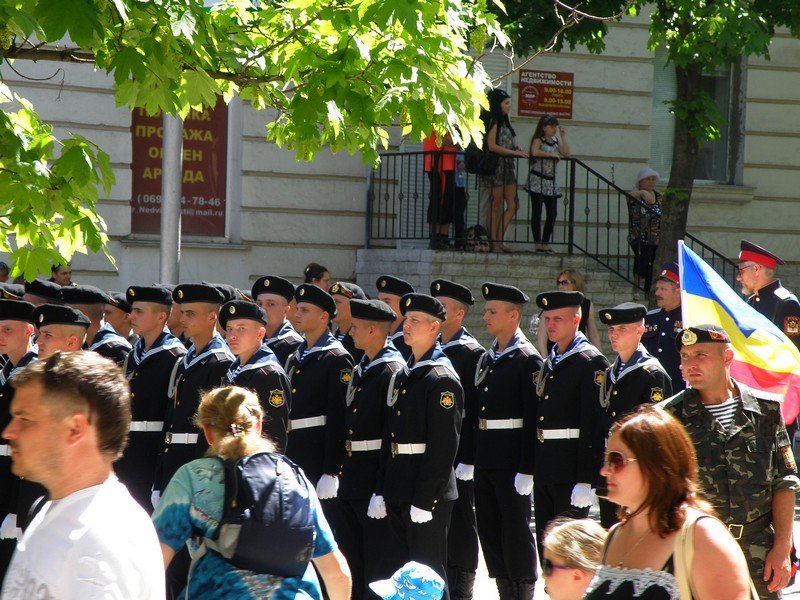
447, 200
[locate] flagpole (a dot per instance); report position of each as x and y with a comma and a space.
682, 287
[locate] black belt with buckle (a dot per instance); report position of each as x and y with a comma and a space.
744, 530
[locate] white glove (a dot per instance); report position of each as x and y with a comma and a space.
465, 472
420, 516
376, 508
582, 495
327, 487
524, 484
155, 498
9, 529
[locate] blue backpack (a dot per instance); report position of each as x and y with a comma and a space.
267, 522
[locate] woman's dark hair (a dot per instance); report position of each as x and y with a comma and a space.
666, 456
495, 115
547, 119
313, 271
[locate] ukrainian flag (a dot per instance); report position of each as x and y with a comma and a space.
764, 357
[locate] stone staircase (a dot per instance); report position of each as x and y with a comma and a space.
532, 273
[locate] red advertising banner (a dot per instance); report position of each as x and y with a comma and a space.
205, 155
543, 92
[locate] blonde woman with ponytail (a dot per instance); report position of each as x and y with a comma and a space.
231, 419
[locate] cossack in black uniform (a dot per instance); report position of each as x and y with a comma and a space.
661, 328
568, 451
426, 404
148, 371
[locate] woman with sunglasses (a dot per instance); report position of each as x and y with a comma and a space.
651, 472
572, 549
571, 280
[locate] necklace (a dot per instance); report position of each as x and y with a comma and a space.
634, 547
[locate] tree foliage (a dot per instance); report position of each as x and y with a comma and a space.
333, 73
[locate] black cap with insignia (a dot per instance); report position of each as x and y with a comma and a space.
83, 294
701, 334
45, 289
228, 291
272, 284
627, 312
506, 293
423, 303
241, 309
387, 284
348, 290
372, 310
12, 291
119, 300
57, 314
451, 289
554, 300
16, 310
308, 292
158, 294
187, 293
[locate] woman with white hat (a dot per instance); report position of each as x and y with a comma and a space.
644, 209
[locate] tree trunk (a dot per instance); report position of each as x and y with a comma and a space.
675, 205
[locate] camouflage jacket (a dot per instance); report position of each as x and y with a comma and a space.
739, 469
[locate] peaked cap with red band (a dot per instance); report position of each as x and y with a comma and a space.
751, 252
669, 271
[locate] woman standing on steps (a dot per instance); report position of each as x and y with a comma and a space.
546, 150
502, 184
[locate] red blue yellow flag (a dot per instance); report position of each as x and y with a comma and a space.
764, 358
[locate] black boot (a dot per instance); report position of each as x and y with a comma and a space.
505, 587
523, 589
461, 584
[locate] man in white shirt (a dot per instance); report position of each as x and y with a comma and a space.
70, 419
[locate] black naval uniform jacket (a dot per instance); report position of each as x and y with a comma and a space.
110, 344
148, 372
284, 342
464, 352
365, 420
781, 307
196, 373
641, 380
505, 389
399, 342
661, 327
16, 495
319, 378
264, 375
568, 391
426, 402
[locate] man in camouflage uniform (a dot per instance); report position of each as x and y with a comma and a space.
746, 466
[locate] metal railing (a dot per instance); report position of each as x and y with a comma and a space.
592, 213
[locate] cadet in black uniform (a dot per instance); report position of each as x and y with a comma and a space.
319, 372
342, 293
273, 294
424, 424
202, 368
256, 367
505, 444
390, 290
148, 369
464, 352
568, 452
635, 378
663, 324
100, 337
16, 329
117, 313
365, 536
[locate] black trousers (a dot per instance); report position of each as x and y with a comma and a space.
426, 542
462, 539
551, 501
504, 519
550, 204
371, 546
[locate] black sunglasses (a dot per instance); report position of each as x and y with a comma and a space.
548, 567
615, 461
563, 282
